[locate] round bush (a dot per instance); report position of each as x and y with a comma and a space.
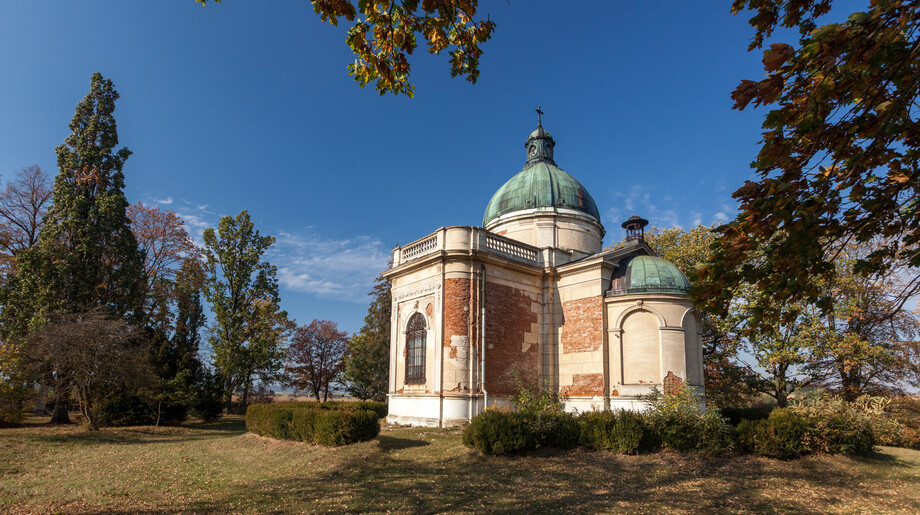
781, 436
556, 430
630, 434
596, 427
500, 432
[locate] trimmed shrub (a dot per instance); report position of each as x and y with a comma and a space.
556, 430
623, 432
596, 428
781, 436
500, 432
306, 422
342, 427
631, 434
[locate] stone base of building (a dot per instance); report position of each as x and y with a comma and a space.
433, 410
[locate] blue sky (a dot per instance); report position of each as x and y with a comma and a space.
248, 105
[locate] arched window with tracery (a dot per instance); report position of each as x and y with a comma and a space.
415, 349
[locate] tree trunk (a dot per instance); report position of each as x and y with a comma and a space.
59, 415
86, 410
780, 387
159, 411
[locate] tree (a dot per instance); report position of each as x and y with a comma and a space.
89, 353
367, 364
386, 32
838, 162
86, 257
166, 245
780, 350
250, 326
864, 343
316, 357
23, 204
175, 358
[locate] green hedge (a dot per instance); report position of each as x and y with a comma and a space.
781, 435
337, 424
831, 428
622, 432
500, 432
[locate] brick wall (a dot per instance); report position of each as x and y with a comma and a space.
509, 315
583, 326
456, 312
585, 384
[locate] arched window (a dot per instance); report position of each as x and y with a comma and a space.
415, 349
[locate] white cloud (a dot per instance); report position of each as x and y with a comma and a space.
664, 208
166, 201
342, 269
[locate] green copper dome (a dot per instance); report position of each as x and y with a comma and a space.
647, 274
541, 184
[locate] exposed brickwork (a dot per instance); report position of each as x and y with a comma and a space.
672, 383
585, 384
583, 327
456, 312
508, 318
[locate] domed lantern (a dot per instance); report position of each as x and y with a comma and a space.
635, 228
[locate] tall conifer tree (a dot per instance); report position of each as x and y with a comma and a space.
86, 257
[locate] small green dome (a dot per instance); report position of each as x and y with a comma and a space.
539, 132
647, 274
541, 184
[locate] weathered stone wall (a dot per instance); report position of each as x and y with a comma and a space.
512, 327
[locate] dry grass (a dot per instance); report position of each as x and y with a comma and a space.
219, 468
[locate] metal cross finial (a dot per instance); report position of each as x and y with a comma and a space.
539, 116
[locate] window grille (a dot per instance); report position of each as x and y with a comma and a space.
415, 349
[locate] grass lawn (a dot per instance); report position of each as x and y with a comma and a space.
218, 467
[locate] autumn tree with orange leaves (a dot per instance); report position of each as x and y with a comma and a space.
385, 33
161, 235
838, 163
316, 357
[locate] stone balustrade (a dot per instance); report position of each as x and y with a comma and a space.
465, 239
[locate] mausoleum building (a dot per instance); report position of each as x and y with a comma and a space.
531, 294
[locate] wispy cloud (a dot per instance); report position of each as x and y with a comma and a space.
165, 201
309, 262
665, 208
343, 269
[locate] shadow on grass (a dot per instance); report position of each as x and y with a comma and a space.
390, 443
76, 434
429, 481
